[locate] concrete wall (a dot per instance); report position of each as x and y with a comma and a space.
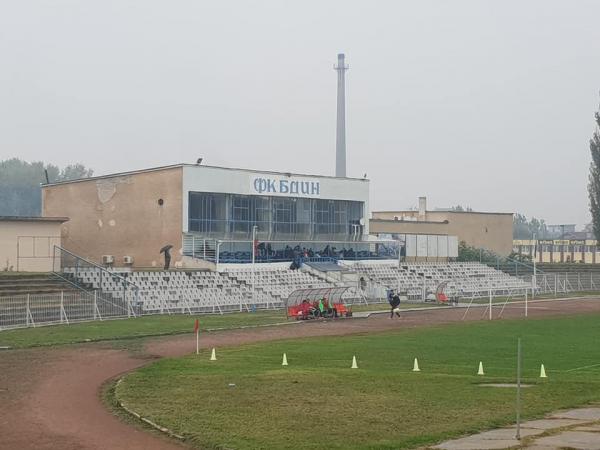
120, 216
492, 231
378, 226
27, 246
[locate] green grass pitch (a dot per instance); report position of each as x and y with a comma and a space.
319, 402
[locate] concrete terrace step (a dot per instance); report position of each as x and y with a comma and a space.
11, 285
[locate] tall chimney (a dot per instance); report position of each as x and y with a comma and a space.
422, 207
340, 136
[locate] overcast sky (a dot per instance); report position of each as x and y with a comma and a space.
479, 103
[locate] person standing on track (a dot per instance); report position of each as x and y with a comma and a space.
394, 301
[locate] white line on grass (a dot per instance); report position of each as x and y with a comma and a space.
583, 367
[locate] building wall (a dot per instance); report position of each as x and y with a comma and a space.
120, 216
27, 246
559, 250
492, 231
380, 226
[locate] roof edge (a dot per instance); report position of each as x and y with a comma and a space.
175, 166
447, 212
416, 222
32, 219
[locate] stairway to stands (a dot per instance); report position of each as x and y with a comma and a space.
34, 283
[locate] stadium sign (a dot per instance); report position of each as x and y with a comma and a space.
285, 186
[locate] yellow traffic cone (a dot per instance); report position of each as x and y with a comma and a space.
543, 372
213, 355
354, 365
480, 371
284, 362
416, 366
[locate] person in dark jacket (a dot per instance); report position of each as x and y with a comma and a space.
394, 301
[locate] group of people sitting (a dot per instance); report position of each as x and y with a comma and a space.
320, 308
266, 251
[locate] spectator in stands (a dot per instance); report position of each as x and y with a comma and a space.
288, 252
363, 283
395, 304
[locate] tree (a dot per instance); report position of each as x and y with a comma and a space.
525, 229
74, 172
594, 178
20, 191
460, 208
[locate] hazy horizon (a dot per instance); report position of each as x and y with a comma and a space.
478, 103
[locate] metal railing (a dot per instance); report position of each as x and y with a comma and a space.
240, 251
90, 276
31, 310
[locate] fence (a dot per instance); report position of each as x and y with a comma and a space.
31, 310
564, 283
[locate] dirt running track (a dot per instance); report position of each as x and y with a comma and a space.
50, 398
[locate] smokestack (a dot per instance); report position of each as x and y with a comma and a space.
340, 136
422, 207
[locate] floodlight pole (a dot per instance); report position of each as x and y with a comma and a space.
254, 228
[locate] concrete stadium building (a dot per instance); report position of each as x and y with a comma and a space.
489, 230
130, 216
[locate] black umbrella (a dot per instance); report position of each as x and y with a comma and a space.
166, 248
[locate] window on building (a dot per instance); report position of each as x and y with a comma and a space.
231, 216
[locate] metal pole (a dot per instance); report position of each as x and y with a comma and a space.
217, 256
27, 312
518, 436
254, 228
490, 304
534, 267
399, 266
525, 302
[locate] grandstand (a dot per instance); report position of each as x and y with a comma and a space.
201, 290
232, 288
464, 278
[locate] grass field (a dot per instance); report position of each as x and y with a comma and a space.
148, 326
132, 328
319, 402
